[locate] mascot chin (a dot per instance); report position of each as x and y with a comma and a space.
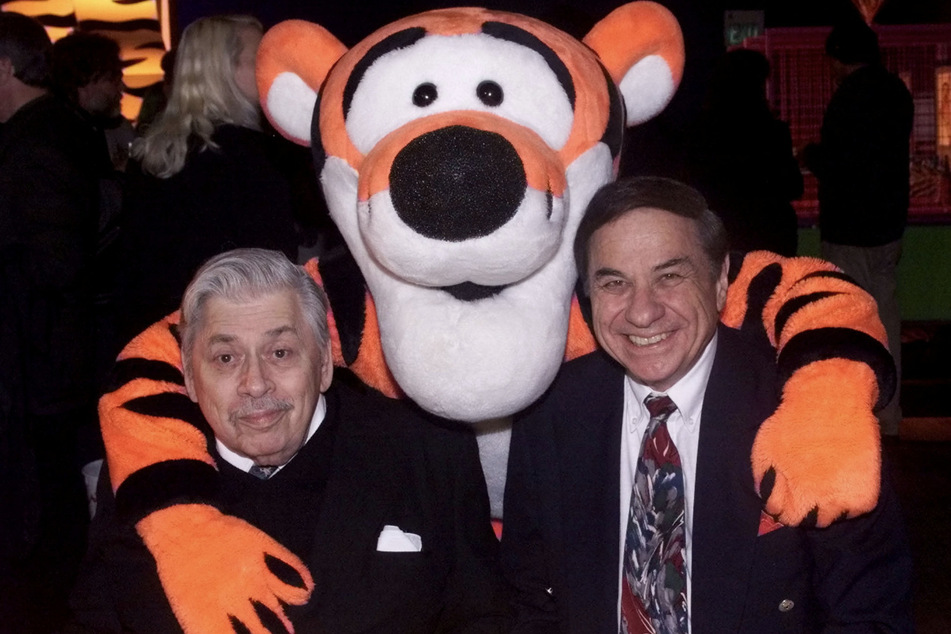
457, 150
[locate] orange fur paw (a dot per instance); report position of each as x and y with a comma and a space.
216, 569
817, 459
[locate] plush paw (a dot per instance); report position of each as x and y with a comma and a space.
221, 574
817, 458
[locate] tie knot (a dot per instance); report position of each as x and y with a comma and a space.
659, 405
262, 472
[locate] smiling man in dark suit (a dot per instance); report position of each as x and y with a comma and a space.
625, 516
388, 511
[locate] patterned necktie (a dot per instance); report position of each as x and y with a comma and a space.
654, 588
264, 472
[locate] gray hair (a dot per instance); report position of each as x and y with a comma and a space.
243, 275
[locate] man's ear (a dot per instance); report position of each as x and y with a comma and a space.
190, 386
326, 367
642, 47
723, 283
292, 63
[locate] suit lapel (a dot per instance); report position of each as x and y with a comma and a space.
726, 508
362, 495
590, 493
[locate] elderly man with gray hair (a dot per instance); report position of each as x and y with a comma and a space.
387, 510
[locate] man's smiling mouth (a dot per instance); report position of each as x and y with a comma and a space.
647, 341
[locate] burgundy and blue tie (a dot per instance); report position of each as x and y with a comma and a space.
654, 585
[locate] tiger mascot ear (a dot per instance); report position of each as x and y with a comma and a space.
642, 47
293, 61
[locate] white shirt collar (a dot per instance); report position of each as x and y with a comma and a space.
244, 463
687, 393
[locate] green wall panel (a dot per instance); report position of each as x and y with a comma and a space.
924, 273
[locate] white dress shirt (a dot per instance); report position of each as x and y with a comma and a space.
684, 429
244, 463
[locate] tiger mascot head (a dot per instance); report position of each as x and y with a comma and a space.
457, 150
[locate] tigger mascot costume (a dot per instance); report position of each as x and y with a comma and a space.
457, 150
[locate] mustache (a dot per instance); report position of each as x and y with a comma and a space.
262, 404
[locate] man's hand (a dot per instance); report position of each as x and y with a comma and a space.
817, 459
221, 574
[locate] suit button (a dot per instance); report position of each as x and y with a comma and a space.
786, 605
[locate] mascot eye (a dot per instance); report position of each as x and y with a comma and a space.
424, 95
490, 93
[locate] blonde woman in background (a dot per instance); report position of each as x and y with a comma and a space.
204, 178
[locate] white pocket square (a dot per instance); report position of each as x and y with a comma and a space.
393, 540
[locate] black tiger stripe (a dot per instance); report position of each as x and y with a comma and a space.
175, 331
761, 288
400, 39
169, 405
837, 275
346, 292
842, 343
613, 135
792, 306
518, 35
165, 484
128, 370
316, 141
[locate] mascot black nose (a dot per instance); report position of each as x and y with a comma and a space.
457, 183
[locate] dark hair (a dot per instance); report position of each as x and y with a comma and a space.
853, 42
627, 194
81, 58
25, 43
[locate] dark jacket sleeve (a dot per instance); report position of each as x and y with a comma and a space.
118, 589
526, 560
475, 598
863, 570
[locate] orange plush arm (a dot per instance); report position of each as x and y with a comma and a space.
817, 458
213, 568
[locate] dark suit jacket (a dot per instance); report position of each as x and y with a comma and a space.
372, 462
233, 196
560, 545
49, 214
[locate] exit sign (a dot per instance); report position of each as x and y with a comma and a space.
739, 25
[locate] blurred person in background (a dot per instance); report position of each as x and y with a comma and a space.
862, 164
741, 158
87, 72
204, 178
49, 207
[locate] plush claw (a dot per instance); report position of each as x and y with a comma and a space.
813, 467
221, 574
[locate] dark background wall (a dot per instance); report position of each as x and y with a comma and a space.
701, 21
